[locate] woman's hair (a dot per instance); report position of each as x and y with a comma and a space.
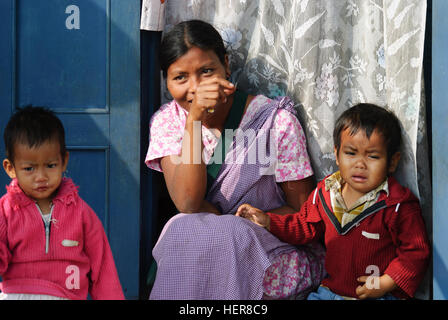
187, 34
370, 117
33, 126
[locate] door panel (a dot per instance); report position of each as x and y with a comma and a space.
65, 69
81, 58
84, 164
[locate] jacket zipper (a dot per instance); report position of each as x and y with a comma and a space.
47, 236
46, 227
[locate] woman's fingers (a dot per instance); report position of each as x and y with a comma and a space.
211, 92
218, 89
225, 84
209, 95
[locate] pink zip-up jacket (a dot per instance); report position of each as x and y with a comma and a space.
77, 259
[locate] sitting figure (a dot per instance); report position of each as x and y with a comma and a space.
371, 224
52, 244
205, 252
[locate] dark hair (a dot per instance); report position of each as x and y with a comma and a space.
33, 126
368, 117
187, 34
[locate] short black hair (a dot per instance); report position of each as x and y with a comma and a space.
370, 117
185, 35
33, 126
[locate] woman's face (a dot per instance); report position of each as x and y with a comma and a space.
185, 74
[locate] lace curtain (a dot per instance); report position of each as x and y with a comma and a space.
327, 56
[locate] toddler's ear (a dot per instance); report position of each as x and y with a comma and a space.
65, 160
9, 168
394, 162
335, 150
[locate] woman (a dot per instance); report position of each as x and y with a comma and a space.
218, 148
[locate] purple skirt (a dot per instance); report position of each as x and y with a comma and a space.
205, 256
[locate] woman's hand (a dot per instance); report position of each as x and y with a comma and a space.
253, 214
209, 94
185, 174
385, 285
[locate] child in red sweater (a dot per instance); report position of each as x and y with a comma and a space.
52, 245
375, 237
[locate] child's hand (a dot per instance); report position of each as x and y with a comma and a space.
385, 285
253, 214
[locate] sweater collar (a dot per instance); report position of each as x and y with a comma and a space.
396, 192
67, 193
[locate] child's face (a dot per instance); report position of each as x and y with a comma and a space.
185, 74
363, 162
38, 170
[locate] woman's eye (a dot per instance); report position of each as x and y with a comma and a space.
52, 165
208, 70
28, 169
179, 78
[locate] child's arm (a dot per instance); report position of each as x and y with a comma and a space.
253, 214
413, 250
297, 228
407, 270
5, 254
105, 284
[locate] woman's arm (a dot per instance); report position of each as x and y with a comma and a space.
296, 193
208, 207
185, 175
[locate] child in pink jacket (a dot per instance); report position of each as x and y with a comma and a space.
52, 244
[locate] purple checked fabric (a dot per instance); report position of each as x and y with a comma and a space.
206, 256
243, 180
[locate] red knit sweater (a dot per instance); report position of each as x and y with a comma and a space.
77, 259
390, 235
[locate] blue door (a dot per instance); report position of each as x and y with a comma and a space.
81, 58
440, 148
